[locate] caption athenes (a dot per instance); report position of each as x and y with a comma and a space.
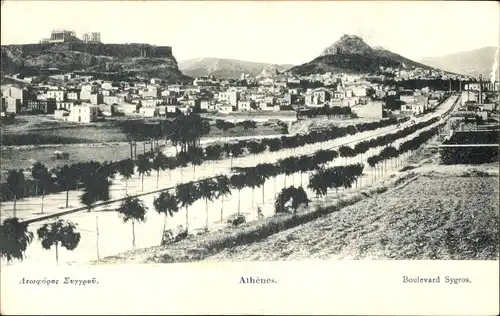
252, 280
66, 280
447, 279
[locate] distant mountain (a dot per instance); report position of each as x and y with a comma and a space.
470, 63
224, 68
351, 54
271, 71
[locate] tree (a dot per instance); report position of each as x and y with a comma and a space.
213, 152
36, 170
170, 164
224, 125
289, 200
182, 161
15, 185
159, 163
96, 188
318, 183
14, 239
132, 209
43, 179
195, 156
187, 194
126, 170
167, 204
60, 232
254, 180
207, 189
255, 147
188, 129
66, 179
221, 190
143, 167
238, 181
265, 171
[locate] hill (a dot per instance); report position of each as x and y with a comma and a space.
471, 63
352, 55
131, 59
224, 68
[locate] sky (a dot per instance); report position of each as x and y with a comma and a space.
281, 32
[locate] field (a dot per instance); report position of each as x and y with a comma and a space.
38, 136
445, 216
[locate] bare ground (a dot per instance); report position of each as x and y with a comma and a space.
436, 216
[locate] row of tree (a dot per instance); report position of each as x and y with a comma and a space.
334, 111
70, 176
407, 147
15, 236
335, 177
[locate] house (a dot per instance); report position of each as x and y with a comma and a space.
73, 95
68, 105
156, 81
58, 95
149, 111
11, 104
96, 98
338, 94
171, 108
151, 103
360, 91
41, 106
92, 88
246, 105
208, 105
415, 108
350, 101
106, 86
226, 108
128, 108
14, 92
62, 114
317, 97
107, 109
112, 99
83, 113
151, 92
229, 97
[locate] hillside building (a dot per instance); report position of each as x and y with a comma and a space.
84, 113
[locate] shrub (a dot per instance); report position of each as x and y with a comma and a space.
236, 219
406, 168
289, 200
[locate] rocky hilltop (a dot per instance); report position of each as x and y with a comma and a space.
351, 54
348, 44
132, 59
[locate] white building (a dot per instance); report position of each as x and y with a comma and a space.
59, 95
245, 105
73, 95
229, 97
149, 111
67, 105
84, 113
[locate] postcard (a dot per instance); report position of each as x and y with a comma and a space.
249, 157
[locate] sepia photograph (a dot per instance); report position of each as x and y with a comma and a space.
170, 132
